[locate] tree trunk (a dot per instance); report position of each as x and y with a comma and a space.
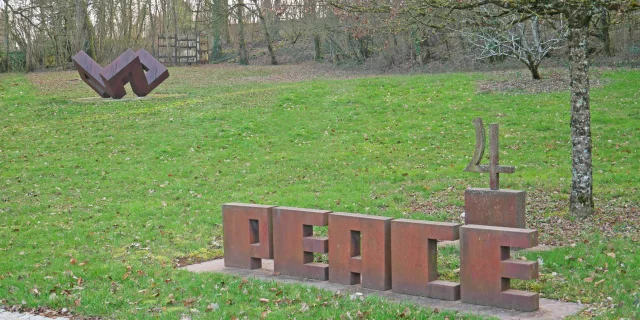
81, 31
225, 21
605, 36
316, 47
153, 30
533, 68
217, 28
581, 199
242, 46
196, 34
265, 28
175, 40
6, 33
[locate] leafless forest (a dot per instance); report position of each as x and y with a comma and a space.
44, 34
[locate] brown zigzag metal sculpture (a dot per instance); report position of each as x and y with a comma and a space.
140, 69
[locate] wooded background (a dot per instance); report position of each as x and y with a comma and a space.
44, 34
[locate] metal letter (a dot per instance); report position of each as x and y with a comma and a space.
360, 250
414, 252
486, 266
294, 242
247, 235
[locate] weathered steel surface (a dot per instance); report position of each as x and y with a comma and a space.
89, 72
500, 208
294, 242
478, 153
121, 71
129, 67
156, 72
414, 254
494, 169
486, 267
360, 250
248, 236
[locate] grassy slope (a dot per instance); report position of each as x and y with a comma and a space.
98, 199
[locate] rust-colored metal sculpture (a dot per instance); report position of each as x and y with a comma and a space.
500, 208
362, 247
247, 235
382, 253
486, 267
414, 254
493, 168
294, 242
140, 69
360, 250
492, 207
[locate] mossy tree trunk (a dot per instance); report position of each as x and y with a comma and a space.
581, 198
243, 57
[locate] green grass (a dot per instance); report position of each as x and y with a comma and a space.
99, 200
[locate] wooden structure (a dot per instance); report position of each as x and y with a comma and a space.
190, 49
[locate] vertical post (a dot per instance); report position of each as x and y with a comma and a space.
494, 178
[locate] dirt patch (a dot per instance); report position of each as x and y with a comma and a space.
520, 81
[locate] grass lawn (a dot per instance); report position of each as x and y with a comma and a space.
101, 201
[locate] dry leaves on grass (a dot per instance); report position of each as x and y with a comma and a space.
547, 212
520, 81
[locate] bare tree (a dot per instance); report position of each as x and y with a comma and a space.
524, 41
579, 15
256, 10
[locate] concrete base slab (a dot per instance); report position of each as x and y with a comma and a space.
549, 309
130, 97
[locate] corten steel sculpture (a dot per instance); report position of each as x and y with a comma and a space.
360, 250
414, 254
493, 207
382, 253
140, 69
294, 243
493, 168
362, 247
486, 267
248, 237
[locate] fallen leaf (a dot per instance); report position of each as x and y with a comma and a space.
73, 261
264, 300
212, 307
189, 302
611, 254
588, 280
